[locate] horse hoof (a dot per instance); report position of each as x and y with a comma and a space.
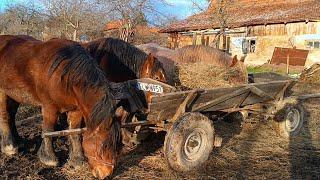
47, 159
9, 150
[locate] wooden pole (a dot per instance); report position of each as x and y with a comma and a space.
194, 39
288, 63
64, 132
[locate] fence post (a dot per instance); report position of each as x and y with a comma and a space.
288, 63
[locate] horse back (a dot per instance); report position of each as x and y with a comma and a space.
24, 65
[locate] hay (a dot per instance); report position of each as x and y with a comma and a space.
204, 75
311, 75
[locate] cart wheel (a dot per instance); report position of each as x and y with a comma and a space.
291, 122
189, 142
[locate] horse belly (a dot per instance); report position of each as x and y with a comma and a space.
22, 96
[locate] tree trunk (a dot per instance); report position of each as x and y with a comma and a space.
75, 35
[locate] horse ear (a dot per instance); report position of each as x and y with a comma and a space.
150, 58
234, 61
147, 66
242, 58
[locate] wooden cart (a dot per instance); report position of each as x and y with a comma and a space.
184, 114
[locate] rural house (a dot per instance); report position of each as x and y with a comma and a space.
253, 28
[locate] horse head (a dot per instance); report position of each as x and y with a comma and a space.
102, 140
101, 147
235, 61
153, 68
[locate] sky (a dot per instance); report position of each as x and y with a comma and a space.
179, 8
183, 8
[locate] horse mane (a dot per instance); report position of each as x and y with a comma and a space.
114, 142
124, 52
80, 70
201, 53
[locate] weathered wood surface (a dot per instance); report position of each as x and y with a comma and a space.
185, 104
63, 132
165, 105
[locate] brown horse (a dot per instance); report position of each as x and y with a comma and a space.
60, 76
193, 54
121, 61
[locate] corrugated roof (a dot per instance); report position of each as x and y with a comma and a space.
246, 14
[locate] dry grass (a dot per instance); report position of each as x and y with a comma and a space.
312, 74
204, 75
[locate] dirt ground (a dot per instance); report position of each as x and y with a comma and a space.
250, 150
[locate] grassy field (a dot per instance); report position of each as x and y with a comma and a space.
276, 69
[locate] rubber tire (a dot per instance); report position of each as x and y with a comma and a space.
281, 124
176, 137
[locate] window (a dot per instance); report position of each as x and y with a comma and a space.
249, 46
313, 44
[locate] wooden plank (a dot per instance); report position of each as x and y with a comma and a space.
260, 93
133, 124
270, 88
184, 105
306, 96
166, 106
173, 104
216, 92
232, 102
220, 99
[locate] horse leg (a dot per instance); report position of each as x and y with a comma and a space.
12, 108
76, 157
8, 145
45, 152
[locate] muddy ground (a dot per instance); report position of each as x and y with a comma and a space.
250, 150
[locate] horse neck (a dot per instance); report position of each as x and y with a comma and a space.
87, 101
133, 58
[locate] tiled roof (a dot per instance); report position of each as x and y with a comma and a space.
246, 14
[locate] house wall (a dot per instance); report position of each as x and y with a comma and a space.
267, 37
278, 35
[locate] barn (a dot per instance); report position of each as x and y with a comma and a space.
253, 28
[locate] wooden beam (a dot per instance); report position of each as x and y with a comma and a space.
63, 132
184, 105
260, 93
194, 39
307, 96
221, 99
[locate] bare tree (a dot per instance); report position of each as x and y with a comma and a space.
134, 13
22, 19
75, 17
218, 12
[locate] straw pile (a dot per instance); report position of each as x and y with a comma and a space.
204, 75
311, 75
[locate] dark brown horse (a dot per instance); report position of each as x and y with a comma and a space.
121, 61
60, 76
